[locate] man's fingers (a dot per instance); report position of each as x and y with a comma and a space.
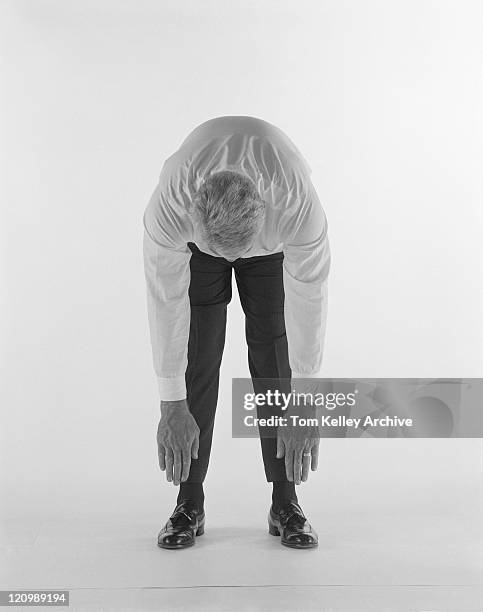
186, 456
177, 467
306, 457
162, 458
280, 448
195, 447
289, 464
169, 464
315, 457
297, 466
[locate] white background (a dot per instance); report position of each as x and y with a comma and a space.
384, 100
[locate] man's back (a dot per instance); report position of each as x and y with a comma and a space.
251, 128
244, 144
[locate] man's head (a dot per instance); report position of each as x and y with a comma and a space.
230, 212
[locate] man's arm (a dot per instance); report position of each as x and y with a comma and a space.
305, 270
167, 281
167, 273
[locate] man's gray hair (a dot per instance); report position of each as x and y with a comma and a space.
230, 210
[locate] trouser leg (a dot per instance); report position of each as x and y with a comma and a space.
209, 292
260, 285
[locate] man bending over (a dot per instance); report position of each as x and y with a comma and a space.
235, 197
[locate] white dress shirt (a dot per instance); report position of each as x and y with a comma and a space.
295, 223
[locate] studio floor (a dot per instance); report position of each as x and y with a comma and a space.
387, 543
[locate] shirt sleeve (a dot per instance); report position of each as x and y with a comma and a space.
305, 270
167, 272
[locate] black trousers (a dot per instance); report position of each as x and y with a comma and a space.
260, 287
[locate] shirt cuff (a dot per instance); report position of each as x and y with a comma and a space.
172, 389
299, 375
305, 383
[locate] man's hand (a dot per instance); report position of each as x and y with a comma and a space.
178, 440
299, 444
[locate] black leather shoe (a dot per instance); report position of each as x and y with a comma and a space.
183, 526
291, 524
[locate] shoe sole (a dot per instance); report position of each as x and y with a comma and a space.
300, 547
176, 546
